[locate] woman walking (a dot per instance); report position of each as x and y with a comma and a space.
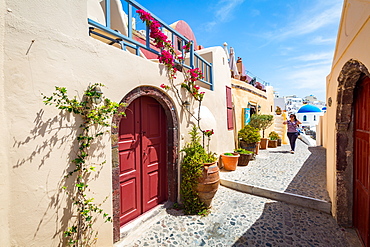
293, 124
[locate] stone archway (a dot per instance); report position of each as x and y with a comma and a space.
350, 74
172, 148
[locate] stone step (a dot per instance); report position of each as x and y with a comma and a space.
290, 198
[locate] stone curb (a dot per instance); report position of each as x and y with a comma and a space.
299, 200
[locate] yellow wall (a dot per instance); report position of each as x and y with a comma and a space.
242, 97
352, 43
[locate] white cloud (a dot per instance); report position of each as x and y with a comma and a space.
319, 40
225, 7
309, 21
314, 57
223, 12
254, 13
306, 65
209, 25
311, 78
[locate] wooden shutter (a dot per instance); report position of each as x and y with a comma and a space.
229, 108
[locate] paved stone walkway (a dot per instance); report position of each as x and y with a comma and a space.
302, 173
240, 219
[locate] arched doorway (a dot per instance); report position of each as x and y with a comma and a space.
142, 151
361, 170
144, 155
350, 146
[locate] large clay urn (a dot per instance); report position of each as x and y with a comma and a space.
208, 183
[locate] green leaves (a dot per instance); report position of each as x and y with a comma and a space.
261, 122
191, 170
92, 115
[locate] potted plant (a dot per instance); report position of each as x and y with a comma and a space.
200, 175
273, 142
245, 156
249, 137
279, 140
278, 110
262, 122
230, 161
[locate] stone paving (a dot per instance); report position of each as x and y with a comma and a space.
302, 173
240, 219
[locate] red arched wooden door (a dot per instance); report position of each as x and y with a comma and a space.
142, 152
361, 206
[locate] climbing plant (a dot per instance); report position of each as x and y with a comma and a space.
95, 112
195, 154
174, 63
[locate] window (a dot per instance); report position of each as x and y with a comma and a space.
314, 117
304, 118
179, 44
229, 109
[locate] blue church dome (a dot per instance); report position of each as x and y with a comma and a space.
308, 108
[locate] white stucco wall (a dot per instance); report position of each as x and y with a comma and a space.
215, 101
37, 140
312, 119
352, 43
4, 138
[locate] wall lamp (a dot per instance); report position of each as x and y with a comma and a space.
186, 104
97, 98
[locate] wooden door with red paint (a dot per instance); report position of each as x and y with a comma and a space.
142, 152
361, 205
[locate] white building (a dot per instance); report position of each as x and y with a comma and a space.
309, 115
293, 104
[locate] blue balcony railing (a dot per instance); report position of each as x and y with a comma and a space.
124, 41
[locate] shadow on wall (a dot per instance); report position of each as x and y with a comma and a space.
58, 133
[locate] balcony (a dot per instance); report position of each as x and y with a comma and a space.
115, 23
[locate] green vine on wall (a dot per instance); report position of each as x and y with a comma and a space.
95, 112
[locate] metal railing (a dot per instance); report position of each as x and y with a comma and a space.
195, 60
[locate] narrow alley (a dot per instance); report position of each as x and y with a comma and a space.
242, 219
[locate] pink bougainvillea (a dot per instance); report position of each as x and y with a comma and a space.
166, 87
209, 132
168, 56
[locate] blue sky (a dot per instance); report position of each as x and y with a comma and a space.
287, 43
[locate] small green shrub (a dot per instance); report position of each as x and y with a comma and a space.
249, 134
192, 166
243, 151
261, 122
273, 136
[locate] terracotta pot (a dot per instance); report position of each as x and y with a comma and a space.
272, 144
244, 159
248, 146
264, 142
230, 162
279, 142
208, 183
258, 147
